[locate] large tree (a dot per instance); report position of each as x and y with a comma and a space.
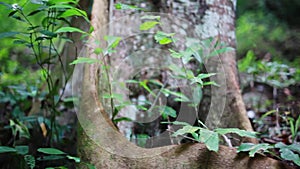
101, 144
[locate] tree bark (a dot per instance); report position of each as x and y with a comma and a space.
219, 21
101, 144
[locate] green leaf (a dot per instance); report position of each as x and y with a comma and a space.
169, 111
5, 149
48, 33
51, 158
18, 18
293, 147
180, 96
112, 41
52, 151
210, 139
119, 6
220, 51
148, 25
156, 82
73, 12
164, 41
175, 54
242, 133
84, 60
76, 159
152, 17
245, 147
8, 34
253, 148
132, 81
91, 29
98, 51
19, 127
187, 55
211, 83
30, 160
246, 62
289, 155
205, 75
20, 41
185, 130
22, 150
69, 29
62, 1
197, 95
196, 136
146, 87
163, 38
91, 166
12, 13
61, 6
35, 12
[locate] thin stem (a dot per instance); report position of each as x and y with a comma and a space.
187, 137
227, 140
109, 85
157, 96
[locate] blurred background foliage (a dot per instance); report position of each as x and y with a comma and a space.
17, 63
269, 28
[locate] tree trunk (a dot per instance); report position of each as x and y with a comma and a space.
101, 144
219, 21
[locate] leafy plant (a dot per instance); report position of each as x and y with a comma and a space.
287, 152
294, 127
35, 107
45, 38
209, 137
51, 154
271, 73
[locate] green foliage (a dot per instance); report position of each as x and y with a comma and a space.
142, 139
259, 31
164, 38
287, 152
51, 151
51, 154
294, 127
5, 149
168, 111
30, 160
253, 148
120, 6
272, 73
148, 25
242, 133
19, 128
209, 137
32, 94
66, 29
